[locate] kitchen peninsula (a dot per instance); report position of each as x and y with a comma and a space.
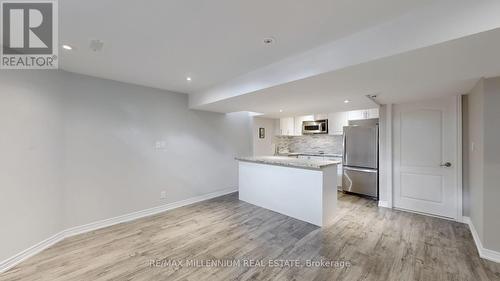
305, 189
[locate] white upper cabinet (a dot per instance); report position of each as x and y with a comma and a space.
356, 114
298, 123
292, 126
321, 116
363, 114
287, 126
373, 113
336, 122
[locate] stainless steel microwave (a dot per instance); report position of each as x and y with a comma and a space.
315, 127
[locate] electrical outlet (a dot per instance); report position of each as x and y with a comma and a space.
163, 195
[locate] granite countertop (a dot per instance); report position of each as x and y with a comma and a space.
310, 154
315, 164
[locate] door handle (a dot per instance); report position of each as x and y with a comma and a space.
360, 170
447, 165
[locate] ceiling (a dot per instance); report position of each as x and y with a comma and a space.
445, 69
325, 52
160, 43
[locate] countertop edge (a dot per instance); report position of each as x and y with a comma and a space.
310, 154
315, 168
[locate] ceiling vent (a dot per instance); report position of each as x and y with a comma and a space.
96, 45
373, 98
269, 41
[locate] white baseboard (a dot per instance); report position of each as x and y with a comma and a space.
31, 251
483, 252
144, 213
16, 259
383, 204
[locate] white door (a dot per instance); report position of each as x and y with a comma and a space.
425, 157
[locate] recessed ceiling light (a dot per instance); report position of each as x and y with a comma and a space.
188, 78
347, 101
67, 47
281, 110
269, 41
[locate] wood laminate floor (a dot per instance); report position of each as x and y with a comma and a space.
364, 243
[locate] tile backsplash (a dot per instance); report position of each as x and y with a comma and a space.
329, 144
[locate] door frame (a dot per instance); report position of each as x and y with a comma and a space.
390, 155
459, 178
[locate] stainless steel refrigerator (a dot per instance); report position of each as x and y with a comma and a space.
360, 159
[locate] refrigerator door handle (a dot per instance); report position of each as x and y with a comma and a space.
361, 170
345, 142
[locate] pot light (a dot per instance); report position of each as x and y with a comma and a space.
281, 110
67, 47
347, 101
188, 78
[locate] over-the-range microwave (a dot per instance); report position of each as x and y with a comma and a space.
315, 127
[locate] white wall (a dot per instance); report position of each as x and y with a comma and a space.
265, 146
474, 174
482, 177
31, 155
465, 157
491, 166
80, 149
385, 163
112, 166
476, 157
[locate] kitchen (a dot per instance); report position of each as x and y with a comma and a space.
341, 146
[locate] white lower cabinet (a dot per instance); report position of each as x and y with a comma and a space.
340, 171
